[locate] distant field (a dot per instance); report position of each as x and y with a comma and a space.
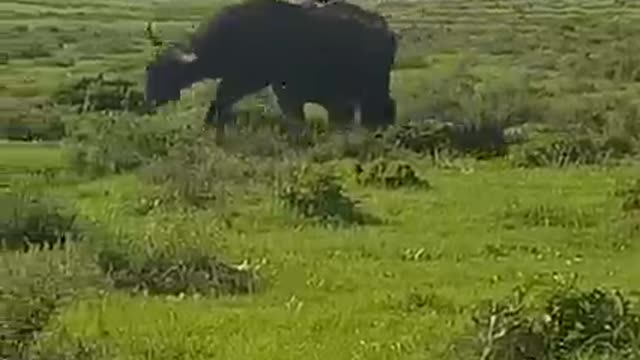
565, 46
402, 289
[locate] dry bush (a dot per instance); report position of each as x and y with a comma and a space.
201, 174
562, 322
482, 140
565, 149
163, 273
390, 174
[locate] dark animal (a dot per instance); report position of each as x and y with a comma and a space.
338, 55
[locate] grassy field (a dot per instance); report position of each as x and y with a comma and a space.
156, 204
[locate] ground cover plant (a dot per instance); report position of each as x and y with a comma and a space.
458, 233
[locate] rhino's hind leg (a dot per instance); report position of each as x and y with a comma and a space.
229, 92
292, 110
341, 115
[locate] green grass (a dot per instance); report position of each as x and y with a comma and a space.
350, 293
342, 293
19, 158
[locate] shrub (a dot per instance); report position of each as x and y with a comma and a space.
317, 194
33, 288
34, 123
27, 221
391, 174
597, 321
98, 94
99, 144
352, 144
433, 137
630, 195
185, 271
568, 323
561, 150
201, 174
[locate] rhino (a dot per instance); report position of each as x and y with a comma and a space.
338, 55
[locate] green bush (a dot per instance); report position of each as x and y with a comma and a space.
561, 150
27, 221
390, 174
99, 144
34, 286
99, 94
568, 323
35, 123
352, 144
596, 321
315, 193
201, 174
183, 271
434, 137
630, 195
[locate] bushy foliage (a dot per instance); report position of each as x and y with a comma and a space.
99, 144
313, 192
99, 94
433, 137
185, 271
200, 174
27, 221
566, 323
390, 174
596, 321
353, 144
35, 122
630, 194
564, 149
33, 288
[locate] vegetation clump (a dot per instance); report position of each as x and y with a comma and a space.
630, 195
33, 287
562, 149
568, 323
27, 221
99, 144
389, 173
317, 194
432, 137
200, 174
99, 94
188, 272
